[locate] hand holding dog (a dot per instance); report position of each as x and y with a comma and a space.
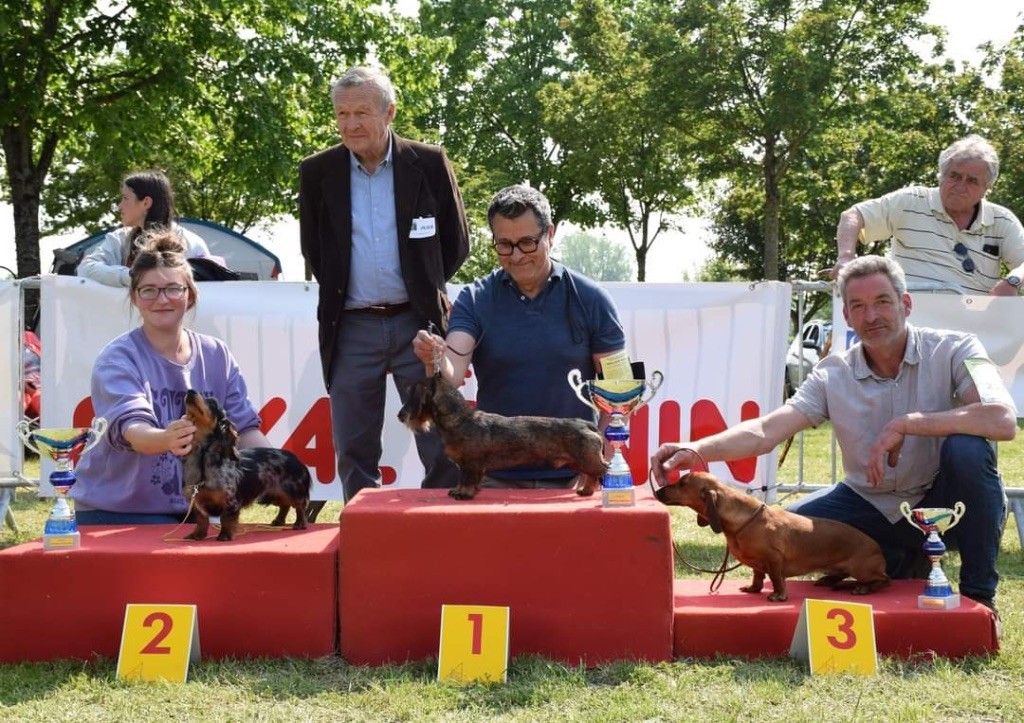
426, 345
672, 457
176, 438
179, 434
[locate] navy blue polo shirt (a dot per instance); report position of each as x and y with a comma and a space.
526, 347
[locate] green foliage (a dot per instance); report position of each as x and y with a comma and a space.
623, 140
782, 74
598, 257
226, 95
501, 54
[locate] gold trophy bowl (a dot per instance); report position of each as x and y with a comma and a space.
933, 521
61, 445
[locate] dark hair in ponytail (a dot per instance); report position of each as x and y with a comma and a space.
157, 187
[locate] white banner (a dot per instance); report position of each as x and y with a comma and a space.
721, 348
10, 377
991, 318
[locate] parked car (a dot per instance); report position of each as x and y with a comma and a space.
812, 344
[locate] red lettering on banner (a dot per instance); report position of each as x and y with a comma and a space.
271, 412
388, 475
705, 420
83, 414
312, 443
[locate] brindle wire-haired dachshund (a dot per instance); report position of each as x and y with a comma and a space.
226, 479
778, 543
479, 441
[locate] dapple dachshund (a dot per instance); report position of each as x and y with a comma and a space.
225, 479
778, 543
479, 442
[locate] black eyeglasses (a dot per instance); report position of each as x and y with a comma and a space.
150, 293
965, 258
525, 245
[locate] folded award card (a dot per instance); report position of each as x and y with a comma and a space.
616, 366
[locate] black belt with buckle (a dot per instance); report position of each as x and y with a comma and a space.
384, 309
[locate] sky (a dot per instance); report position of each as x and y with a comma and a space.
673, 254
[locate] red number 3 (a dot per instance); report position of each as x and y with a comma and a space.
153, 647
845, 626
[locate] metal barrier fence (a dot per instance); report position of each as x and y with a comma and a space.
13, 385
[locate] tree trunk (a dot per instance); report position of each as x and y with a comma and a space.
26, 187
770, 222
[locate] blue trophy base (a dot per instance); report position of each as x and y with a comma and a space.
946, 602
62, 541
61, 533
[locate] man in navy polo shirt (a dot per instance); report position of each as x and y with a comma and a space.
524, 327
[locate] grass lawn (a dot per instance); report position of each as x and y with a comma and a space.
975, 689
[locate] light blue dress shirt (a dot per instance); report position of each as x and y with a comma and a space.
376, 272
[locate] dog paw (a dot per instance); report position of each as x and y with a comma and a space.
752, 589
462, 493
778, 597
195, 536
225, 536
585, 491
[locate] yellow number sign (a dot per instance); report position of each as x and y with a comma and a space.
474, 643
158, 642
836, 637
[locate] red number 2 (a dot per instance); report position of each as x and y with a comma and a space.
153, 647
849, 638
478, 631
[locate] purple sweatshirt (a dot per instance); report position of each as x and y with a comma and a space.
132, 383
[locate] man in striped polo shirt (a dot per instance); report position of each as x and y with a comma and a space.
949, 234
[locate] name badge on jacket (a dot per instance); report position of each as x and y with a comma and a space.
423, 227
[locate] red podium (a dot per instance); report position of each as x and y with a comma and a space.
583, 583
267, 593
738, 624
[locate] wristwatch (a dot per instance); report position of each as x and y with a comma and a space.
1013, 281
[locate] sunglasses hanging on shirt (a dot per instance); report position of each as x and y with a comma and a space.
965, 257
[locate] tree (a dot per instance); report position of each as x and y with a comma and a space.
595, 256
890, 141
771, 76
623, 141
999, 112
502, 52
225, 95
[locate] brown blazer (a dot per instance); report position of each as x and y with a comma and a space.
424, 186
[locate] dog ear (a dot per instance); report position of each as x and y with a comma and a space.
702, 521
711, 509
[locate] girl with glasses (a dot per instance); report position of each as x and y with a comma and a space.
139, 380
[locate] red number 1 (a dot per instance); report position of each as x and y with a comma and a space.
153, 647
478, 631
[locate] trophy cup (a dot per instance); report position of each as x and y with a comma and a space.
618, 398
938, 593
61, 531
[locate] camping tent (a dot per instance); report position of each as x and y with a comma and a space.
240, 253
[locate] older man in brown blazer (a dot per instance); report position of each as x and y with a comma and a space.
382, 228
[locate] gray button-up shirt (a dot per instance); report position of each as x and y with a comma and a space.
932, 378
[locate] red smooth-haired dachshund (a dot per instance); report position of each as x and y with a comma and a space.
778, 543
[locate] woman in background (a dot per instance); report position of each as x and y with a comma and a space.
147, 204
